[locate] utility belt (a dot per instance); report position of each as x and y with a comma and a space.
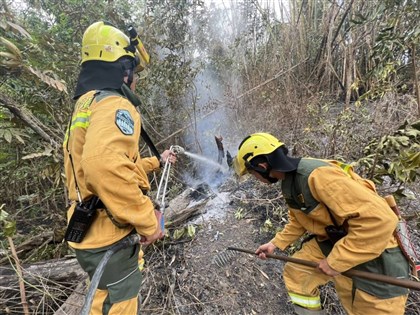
83, 217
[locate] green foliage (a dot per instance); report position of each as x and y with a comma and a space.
336, 132
10, 133
240, 213
187, 231
8, 226
397, 33
396, 156
168, 37
267, 226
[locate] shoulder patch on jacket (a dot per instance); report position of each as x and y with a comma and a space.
124, 121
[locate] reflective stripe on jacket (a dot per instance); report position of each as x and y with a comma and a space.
107, 163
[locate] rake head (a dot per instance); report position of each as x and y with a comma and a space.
224, 258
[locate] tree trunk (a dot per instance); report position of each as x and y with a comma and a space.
416, 82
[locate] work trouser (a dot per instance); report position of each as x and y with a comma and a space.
120, 283
302, 283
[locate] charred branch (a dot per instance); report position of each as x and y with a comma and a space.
220, 149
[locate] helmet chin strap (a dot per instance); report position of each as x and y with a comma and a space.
265, 173
130, 77
128, 67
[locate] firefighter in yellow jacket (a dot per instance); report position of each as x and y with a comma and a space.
351, 225
101, 158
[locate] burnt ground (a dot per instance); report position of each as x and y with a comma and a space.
199, 276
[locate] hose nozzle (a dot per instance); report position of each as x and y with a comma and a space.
177, 149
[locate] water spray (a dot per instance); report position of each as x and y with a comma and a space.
180, 150
206, 160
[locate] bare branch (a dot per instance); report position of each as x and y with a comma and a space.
29, 119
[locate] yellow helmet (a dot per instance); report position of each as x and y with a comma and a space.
103, 42
253, 146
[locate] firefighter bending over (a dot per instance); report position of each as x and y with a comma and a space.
351, 225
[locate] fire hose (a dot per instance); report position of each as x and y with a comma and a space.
409, 284
132, 239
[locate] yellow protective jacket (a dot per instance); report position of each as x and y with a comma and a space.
352, 201
104, 145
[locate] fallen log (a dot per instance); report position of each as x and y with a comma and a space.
187, 205
58, 270
49, 282
182, 216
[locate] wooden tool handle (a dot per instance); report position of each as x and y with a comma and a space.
349, 273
